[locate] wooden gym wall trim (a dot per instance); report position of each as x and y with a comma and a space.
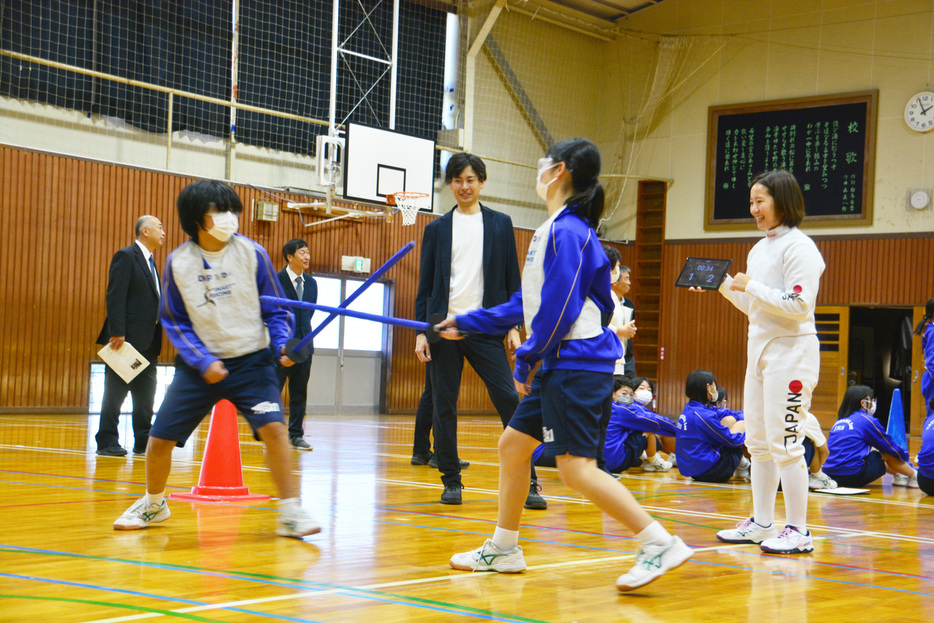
61, 220
704, 331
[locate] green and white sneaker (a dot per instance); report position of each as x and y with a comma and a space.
295, 522
490, 558
140, 515
652, 562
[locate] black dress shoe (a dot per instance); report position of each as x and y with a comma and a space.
111, 451
452, 493
535, 501
433, 462
420, 458
139, 450
300, 444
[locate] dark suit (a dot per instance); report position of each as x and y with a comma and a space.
298, 374
630, 357
133, 312
486, 353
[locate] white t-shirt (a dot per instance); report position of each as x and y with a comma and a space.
466, 288
621, 317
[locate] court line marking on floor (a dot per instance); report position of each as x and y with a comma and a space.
675, 511
422, 581
581, 501
303, 594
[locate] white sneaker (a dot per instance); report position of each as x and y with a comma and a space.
820, 480
490, 558
296, 523
790, 541
748, 531
901, 480
657, 464
673, 459
140, 515
652, 562
742, 470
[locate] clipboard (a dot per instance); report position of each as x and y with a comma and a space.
703, 272
125, 361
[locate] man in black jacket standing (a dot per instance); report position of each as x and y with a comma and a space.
300, 286
468, 261
133, 292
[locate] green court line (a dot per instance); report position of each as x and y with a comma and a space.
109, 604
295, 583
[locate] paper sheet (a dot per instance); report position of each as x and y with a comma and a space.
842, 491
125, 361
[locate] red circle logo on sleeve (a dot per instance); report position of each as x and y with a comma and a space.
797, 289
795, 387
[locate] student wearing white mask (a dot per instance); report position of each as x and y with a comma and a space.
709, 444
213, 315
565, 289
860, 451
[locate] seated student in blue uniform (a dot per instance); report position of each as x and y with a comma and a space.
710, 443
632, 431
860, 451
926, 455
643, 393
815, 444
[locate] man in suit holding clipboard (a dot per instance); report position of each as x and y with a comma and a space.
133, 292
299, 286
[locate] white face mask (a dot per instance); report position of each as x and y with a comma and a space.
614, 275
871, 409
713, 396
541, 188
225, 225
643, 396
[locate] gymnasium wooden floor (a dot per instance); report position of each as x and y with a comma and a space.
383, 553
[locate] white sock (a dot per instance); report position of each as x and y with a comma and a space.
654, 534
795, 492
505, 540
154, 498
764, 476
289, 503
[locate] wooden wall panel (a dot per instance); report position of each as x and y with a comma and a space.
61, 220
705, 331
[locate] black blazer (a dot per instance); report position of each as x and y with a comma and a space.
309, 295
501, 277
132, 302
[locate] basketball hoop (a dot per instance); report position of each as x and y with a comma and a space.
409, 203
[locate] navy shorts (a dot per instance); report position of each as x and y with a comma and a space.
251, 386
723, 469
809, 451
564, 410
925, 483
873, 468
635, 445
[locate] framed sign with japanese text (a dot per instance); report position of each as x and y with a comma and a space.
827, 142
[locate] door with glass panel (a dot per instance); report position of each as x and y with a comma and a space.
347, 367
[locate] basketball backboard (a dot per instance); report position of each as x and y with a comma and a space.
381, 162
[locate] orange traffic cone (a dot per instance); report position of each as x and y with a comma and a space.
221, 477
